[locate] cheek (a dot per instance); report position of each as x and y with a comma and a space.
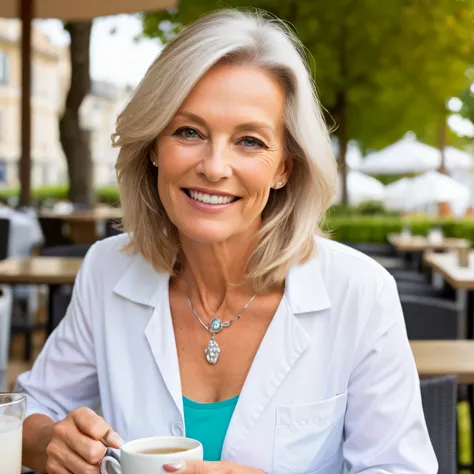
174, 160
259, 174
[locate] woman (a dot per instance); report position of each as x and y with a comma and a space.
219, 315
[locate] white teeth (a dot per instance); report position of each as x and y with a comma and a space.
210, 199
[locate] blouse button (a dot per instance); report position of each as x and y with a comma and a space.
177, 429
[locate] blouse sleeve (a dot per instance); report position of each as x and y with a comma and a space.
64, 376
385, 429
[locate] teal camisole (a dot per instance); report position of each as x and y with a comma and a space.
208, 423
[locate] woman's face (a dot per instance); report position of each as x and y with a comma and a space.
222, 153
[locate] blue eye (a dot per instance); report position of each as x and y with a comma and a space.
186, 132
252, 142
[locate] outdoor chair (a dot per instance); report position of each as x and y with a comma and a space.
424, 290
375, 249
71, 250
60, 296
54, 232
407, 275
432, 318
111, 228
4, 237
439, 397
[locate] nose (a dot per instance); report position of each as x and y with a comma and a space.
215, 166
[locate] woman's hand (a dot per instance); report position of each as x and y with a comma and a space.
75, 446
203, 467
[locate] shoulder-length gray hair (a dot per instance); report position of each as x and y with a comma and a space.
293, 213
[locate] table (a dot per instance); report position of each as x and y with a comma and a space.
435, 358
446, 264
51, 271
83, 223
419, 243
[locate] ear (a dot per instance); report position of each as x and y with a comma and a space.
154, 154
282, 177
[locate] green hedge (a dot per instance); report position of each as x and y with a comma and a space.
375, 229
389, 178
106, 194
369, 208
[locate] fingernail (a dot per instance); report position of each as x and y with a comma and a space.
115, 439
173, 467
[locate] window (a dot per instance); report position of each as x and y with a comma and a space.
3, 171
3, 67
1, 124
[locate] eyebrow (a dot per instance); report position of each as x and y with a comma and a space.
253, 125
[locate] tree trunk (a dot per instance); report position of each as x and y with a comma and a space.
442, 144
341, 134
75, 140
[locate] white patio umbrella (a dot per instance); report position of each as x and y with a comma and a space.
409, 155
404, 156
26, 10
396, 195
433, 187
457, 159
362, 188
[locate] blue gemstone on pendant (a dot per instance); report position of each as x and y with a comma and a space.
215, 325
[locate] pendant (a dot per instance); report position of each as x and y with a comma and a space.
212, 351
216, 325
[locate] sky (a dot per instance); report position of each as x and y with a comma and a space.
116, 58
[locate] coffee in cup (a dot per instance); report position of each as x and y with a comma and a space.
148, 455
162, 450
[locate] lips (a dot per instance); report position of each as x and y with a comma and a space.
210, 198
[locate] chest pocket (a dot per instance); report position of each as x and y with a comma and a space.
309, 437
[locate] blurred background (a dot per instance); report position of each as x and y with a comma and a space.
396, 81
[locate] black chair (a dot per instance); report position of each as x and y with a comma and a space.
439, 397
4, 238
72, 250
432, 318
112, 228
60, 296
375, 249
54, 232
411, 288
407, 275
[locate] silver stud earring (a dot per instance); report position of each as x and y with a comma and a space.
280, 184
154, 163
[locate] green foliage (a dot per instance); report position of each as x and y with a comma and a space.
382, 67
375, 229
108, 195
364, 209
389, 178
467, 98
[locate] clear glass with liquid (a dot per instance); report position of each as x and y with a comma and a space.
12, 414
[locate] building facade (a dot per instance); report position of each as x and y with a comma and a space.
50, 83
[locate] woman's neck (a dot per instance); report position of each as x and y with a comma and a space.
215, 274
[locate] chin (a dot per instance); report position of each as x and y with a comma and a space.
207, 234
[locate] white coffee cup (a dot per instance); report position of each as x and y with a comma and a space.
132, 460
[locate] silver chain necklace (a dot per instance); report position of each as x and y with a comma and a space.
216, 325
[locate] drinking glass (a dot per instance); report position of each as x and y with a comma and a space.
12, 414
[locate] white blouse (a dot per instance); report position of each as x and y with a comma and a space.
333, 383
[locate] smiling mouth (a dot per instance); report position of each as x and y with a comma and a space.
210, 198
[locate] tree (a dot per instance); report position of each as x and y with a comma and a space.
382, 67
74, 139
467, 98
